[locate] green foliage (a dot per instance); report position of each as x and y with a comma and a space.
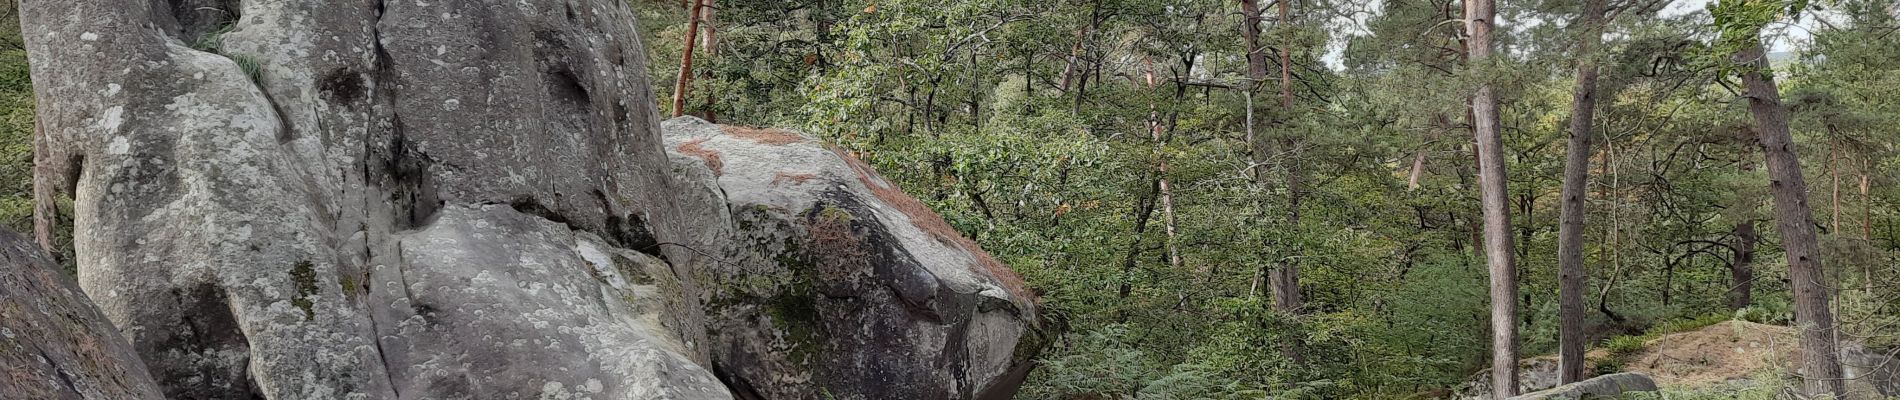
1764, 385
964, 103
213, 41
249, 65
16, 142
1774, 312
1106, 364
1624, 346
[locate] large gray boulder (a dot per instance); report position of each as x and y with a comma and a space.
369, 199
838, 285
1607, 386
54, 344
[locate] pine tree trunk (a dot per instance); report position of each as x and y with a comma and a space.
1286, 279
1866, 200
1286, 55
1256, 61
1867, 266
1742, 271
1820, 367
1572, 274
710, 40
1834, 175
686, 58
1494, 188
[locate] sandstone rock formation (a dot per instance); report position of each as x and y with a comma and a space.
1607, 386
838, 284
54, 344
372, 199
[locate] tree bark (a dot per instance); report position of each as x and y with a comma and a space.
1161, 172
1494, 188
1741, 288
1572, 274
1286, 278
1820, 367
1286, 55
706, 15
1866, 199
1256, 62
1418, 171
1834, 175
686, 58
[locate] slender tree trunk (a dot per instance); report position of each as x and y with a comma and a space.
1494, 186
1144, 209
1612, 236
1418, 171
1834, 175
1866, 199
1820, 367
1741, 287
1286, 278
1081, 38
1286, 55
1669, 274
686, 58
1256, 59
1161, 172
1572, 274
1867, 266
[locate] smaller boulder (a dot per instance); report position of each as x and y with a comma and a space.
1610, 386
54, 343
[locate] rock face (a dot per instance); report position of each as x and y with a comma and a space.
1607, 386
838, 285
371, 199
54, 344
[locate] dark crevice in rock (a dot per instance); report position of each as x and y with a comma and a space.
631, 231
406, 176
75, 168
194, 21
740, 387
209, 329
634, 232
400, 170
565, 86
343, 86
529, 205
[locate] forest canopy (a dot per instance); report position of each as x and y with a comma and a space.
1237, 198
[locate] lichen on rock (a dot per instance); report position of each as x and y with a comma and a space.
874, 295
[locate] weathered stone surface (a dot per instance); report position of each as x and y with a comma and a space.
1533, 374
1870, 374
1608, 386
54, 344
838, 285
366, 199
